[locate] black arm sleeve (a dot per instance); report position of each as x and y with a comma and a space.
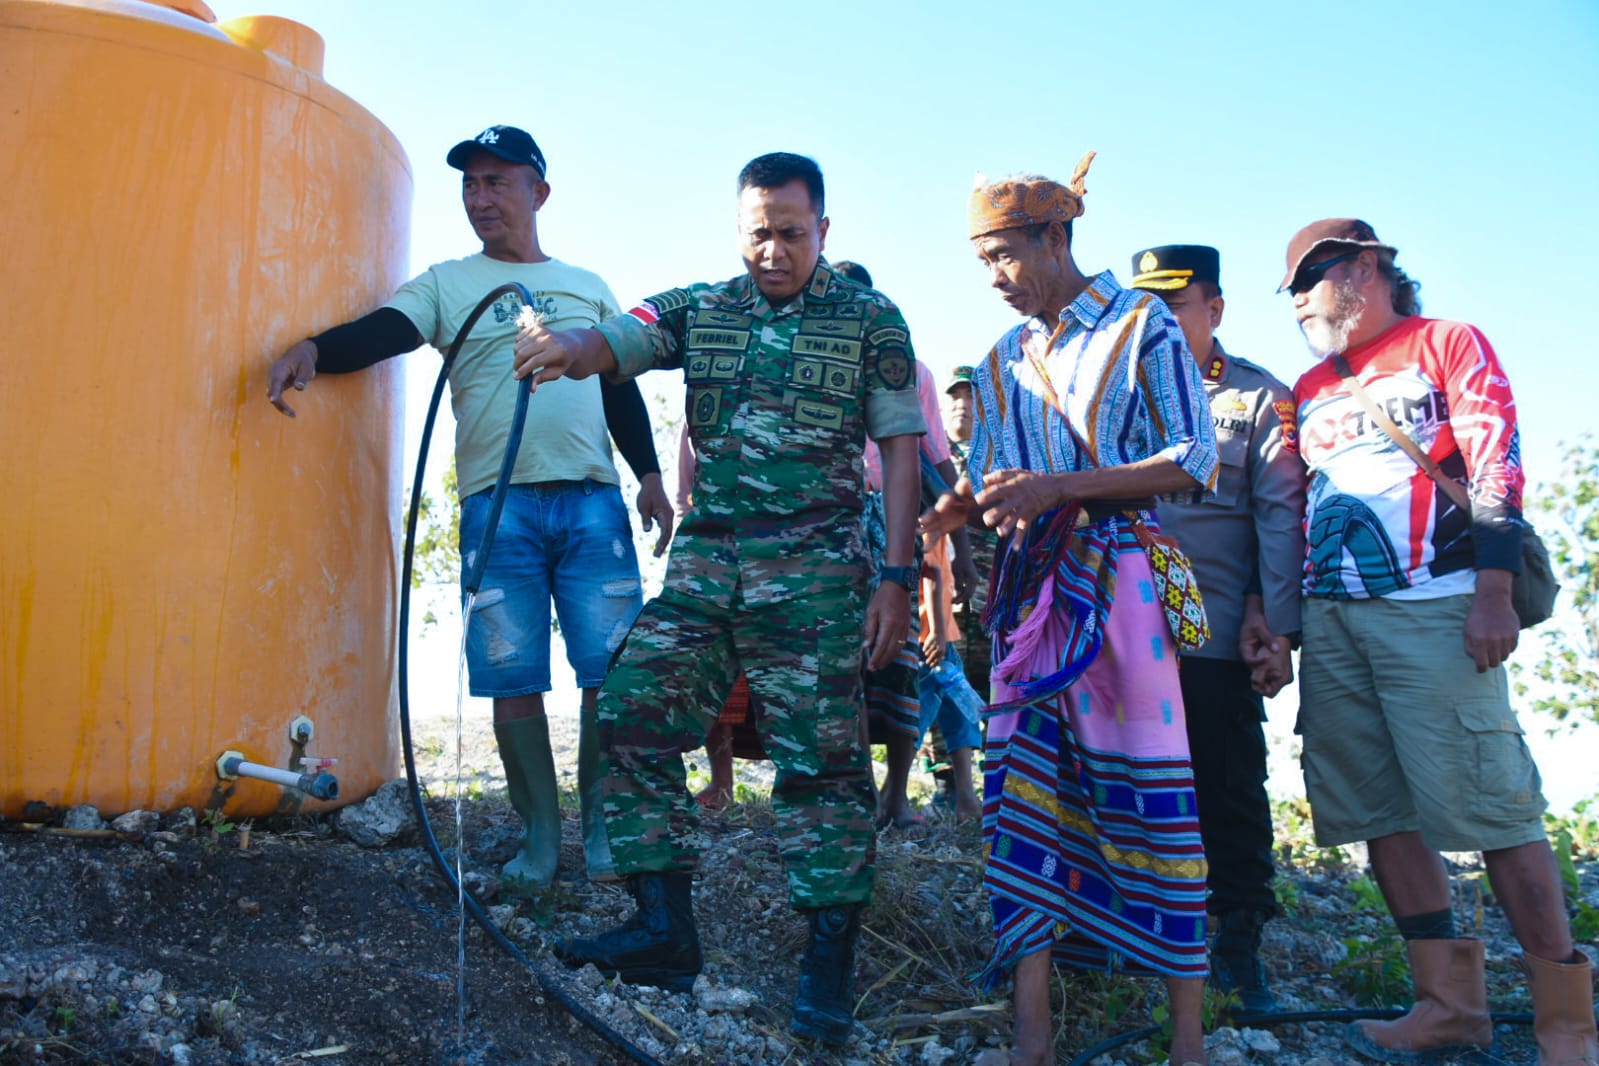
371, 339
1496, 538
628, 421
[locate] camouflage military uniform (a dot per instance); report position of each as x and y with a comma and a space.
768, 571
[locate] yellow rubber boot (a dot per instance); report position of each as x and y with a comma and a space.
1450, 1015
1562, 1010
590, 797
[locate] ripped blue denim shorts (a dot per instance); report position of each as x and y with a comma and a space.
568, 542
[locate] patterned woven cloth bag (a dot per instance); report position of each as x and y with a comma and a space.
1175, 587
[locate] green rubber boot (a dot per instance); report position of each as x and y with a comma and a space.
530, 780
596, 846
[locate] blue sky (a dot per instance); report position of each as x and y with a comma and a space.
1462, 133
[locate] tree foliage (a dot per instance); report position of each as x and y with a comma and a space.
1564, 681
438, 535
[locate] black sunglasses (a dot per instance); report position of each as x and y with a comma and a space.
1309, 277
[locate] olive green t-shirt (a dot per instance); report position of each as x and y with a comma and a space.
565, 438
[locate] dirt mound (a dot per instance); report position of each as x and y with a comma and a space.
196, 951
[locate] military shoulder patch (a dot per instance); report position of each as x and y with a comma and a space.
650, 311
894, 367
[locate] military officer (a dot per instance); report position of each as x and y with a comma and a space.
1246, 545
789, 369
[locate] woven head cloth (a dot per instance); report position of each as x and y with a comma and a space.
1011, 203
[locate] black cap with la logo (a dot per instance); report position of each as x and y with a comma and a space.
507, 142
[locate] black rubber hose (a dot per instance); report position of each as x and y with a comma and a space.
473, 907
1266, 1021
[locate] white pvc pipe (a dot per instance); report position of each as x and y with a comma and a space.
318, 784
286, 778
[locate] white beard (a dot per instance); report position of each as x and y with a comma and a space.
1329, 333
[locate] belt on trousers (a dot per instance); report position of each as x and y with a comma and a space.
548, 484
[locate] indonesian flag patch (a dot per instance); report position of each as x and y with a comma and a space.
645, 313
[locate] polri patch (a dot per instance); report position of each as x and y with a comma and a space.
1289, 417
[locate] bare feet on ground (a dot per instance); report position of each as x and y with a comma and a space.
898, 813
714, 799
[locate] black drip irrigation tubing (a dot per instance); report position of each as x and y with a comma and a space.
469, 582
1269, 1020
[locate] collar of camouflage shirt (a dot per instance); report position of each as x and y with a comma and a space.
745, 295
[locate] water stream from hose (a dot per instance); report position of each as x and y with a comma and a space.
468, 906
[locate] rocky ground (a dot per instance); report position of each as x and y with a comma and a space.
201, 943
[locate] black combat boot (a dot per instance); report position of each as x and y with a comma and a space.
823, 1010
657, 946
1235, 962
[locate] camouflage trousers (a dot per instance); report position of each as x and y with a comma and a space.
669, 679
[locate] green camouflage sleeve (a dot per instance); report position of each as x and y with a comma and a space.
650, 336
892, 407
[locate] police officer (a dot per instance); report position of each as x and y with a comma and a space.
1246, 545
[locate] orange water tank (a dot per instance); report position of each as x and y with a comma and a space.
183, 570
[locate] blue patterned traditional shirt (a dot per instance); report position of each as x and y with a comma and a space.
1116, 364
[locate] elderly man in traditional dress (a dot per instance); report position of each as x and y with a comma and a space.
1086, 412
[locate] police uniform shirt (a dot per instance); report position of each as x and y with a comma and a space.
1248, 536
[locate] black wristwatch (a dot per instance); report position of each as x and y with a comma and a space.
899, 575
